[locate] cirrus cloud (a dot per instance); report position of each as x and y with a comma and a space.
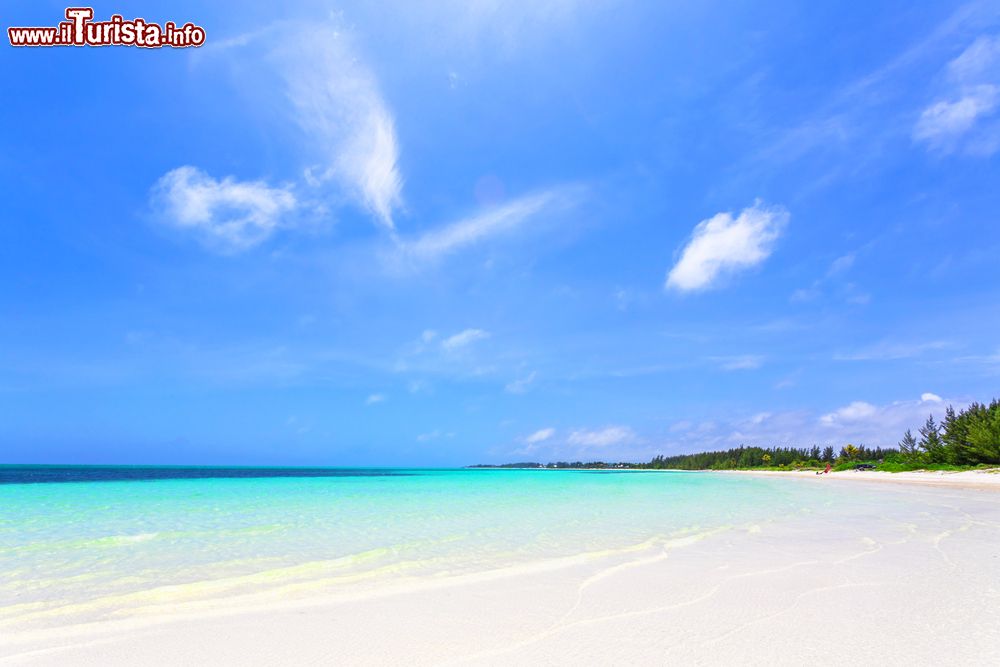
464, 338
965, 118
349, 135
338, 104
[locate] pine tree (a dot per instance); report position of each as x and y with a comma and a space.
908, 446
983, 426
930, 441
955, 435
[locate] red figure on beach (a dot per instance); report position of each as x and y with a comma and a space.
826, 471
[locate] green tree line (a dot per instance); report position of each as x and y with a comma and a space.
966, 438
762, 457
969, 437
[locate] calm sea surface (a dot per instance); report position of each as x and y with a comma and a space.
89, 541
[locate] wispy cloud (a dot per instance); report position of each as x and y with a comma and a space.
464, 338
605, 437
227, 214
436, 434
540, 435
841, 264
520, 385
990, 363
888, 351
870, 111
723, 245
944, 122
338, 104
964, 119
348, 129
743, 362
374, 398
487, 224
532, 443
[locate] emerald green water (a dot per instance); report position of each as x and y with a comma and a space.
98, 547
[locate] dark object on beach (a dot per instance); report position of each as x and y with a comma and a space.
864, 466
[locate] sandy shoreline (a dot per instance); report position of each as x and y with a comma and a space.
966, 479
987, 478
896, 575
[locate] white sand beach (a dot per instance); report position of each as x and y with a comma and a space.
988, 479
915, 584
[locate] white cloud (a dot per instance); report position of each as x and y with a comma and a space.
862, 422
802, 295
842, 263
486, 224
889, 351
858, 422
612, 435
786, 383
977, 61
611, 443
229, 214
849, 413
964, 117
928, 397
334, 97
338, 104
943, 122
428, 335
540, 436
436, 434
520, 385
418, 387
746, 362
723, 245
464, 338
374, 398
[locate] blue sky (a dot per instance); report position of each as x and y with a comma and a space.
482, 231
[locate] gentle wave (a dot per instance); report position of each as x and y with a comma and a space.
314, 576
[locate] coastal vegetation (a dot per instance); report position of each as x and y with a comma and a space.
970, 437
743, 458
966, 439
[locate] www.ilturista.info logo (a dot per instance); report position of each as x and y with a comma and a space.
79, 29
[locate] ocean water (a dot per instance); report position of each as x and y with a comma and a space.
86, 543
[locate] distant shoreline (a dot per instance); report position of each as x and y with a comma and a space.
986, 478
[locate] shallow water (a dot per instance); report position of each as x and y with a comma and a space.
133, 536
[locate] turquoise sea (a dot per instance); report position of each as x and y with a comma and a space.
84, 543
